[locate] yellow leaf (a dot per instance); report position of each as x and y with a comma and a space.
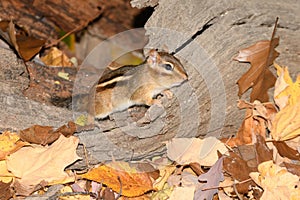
286, 124
164, 175
276, 181
5, 175
286, 91
9, 143
56, 57
115, 174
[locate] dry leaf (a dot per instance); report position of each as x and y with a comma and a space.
39, 135
6, 192
45, 134
115, 174
285, 151
293, 168
56, 57
286, 124
165, 173
25, 46
263, 153
9, 143
189, 150
5, 175
238, 168
261, 55
43, 163
276, 181
258, 117
212, 179
182, 193
286, 91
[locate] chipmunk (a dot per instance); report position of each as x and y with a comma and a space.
119, 89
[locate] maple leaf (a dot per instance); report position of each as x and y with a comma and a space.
42, 163
117, 174
286, 124
261, 55
191, 150
286, 91
9, 143
276, 181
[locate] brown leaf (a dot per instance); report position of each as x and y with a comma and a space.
293, 168
45, 134
239, 170
258, 118
26, 46
251, 126
115, 174
261, 55
67, 130
39, 135
263, 153
285, 151
6, 192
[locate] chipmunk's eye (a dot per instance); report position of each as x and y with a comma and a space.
168, 66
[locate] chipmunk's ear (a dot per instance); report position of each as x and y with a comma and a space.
153, 58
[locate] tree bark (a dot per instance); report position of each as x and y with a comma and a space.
205, 105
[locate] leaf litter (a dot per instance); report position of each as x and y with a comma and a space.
260, 162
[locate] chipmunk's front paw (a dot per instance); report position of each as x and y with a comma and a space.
155, 111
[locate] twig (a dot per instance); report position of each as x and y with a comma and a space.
217, 187
120, 192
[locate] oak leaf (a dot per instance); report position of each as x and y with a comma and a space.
261, 55
212, 178
117, 175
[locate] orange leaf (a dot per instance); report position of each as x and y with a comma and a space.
261, 55
258, 117
115, 174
